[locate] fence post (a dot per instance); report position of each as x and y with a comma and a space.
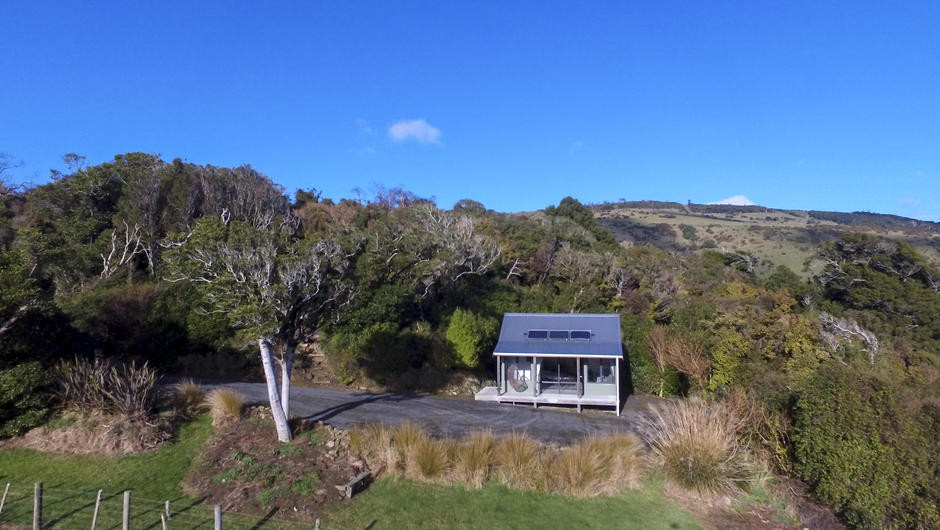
218, 517
168, 509
163, 521
126, 521
94, 517
4, 499
37, 506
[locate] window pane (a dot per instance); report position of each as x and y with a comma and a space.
538, 334
558, 334
581, 335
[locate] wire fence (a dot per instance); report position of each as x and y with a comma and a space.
63, 507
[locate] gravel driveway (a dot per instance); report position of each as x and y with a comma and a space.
444, 416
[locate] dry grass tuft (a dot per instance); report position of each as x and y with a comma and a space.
473, 459
580, 470
600, 465
224, 405
428, 459
374, 443
518, 464
696, 442
628, 464
191, 396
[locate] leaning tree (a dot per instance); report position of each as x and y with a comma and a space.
273, 283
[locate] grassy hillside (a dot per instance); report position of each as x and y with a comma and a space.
776, 237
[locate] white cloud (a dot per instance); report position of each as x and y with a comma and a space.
419, 130
737, 200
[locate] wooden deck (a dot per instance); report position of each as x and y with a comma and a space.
490, 393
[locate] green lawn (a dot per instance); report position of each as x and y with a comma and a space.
399, 503
71, 483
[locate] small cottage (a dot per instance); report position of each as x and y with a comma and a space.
558, 359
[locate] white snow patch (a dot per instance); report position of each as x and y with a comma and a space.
737, 200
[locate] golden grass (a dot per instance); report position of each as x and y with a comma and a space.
696, 442
473, 459
428, 459
601, 465
191, 396
224, 405
374, 443
517, 462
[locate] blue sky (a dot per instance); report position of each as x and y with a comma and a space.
811, 105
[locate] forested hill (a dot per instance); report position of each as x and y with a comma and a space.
823, 335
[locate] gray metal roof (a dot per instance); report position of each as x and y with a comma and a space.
605, 338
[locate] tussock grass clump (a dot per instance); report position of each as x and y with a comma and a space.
428, 459
628, 464
580, 470
696, 442
600, 465
224, 405
517, 462
473, 459
191, 397
374, 443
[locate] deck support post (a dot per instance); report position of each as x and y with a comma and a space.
500, 376
617, 379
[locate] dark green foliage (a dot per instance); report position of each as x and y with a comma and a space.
471, 336
583, 217
784, 278
23, 398
689, 232
863, 452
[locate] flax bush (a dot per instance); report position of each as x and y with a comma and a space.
127, 389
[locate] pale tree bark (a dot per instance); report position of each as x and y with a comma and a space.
277, 410
287, 365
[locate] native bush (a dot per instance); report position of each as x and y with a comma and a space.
23, 398
471, 336
865, 449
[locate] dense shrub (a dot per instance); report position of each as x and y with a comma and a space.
863, 454
471, 336
23, 398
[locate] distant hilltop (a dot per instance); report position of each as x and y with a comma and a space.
737, 200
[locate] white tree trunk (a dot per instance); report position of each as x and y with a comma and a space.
287, 365
277, 411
